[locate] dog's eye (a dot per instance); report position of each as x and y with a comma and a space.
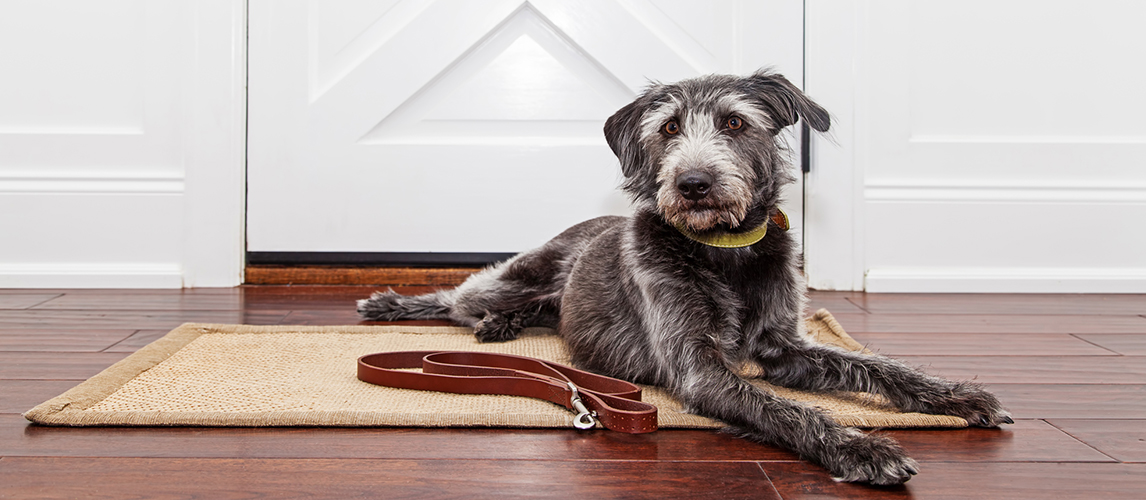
671, 128
734, 123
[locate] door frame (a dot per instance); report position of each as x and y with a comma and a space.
215, 159
833, 188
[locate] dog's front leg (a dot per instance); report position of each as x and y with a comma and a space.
689, 342
711, 389
824, 368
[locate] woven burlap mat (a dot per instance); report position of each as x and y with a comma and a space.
238, 375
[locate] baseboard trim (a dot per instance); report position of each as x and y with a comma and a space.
1005, 280
334, 275
90, 275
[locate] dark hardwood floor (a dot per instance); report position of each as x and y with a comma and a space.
1072, 368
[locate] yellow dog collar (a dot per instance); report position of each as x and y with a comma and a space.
738, 240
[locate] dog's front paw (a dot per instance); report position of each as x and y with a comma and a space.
970, 401
870, 459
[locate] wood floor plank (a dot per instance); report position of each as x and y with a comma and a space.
962, 481
143, 337
21, 438
980, 344
137, 340
1124, 440
123, 319
187, 299
161, 478
203, 299
990, 323
1129, 344
1023, 441
60, 340
221, 299
1002, 303
18, 300
836, 302
1096, 401
1035, 369
338, 298
19, 396
1026, 440
55, 366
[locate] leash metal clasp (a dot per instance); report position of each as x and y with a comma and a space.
585, 419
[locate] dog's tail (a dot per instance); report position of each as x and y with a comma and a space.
391, 306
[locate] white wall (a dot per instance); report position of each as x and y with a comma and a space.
121, 143
980, 146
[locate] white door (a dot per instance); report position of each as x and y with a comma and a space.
467, 126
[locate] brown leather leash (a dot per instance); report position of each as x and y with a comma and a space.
615, 403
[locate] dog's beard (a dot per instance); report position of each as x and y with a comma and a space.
718, 209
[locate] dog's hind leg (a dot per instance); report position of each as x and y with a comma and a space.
492, 301
524, 291
479, 296
391, 306
498, 302
503, 299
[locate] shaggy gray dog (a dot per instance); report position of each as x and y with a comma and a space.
696, 284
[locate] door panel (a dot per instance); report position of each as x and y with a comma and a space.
463, 126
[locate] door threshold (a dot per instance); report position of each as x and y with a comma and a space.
348, 275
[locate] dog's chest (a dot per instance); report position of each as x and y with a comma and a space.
759, 282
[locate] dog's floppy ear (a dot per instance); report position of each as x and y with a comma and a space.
622, 131
786, 102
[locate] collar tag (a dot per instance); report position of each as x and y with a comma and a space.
781, 220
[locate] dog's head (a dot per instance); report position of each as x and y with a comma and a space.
705, 150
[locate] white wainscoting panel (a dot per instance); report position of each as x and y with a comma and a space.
1006, 240
1007, 161
121, 143
91, 239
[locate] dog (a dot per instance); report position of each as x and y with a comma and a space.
701, 281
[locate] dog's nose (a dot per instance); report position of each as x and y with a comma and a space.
694, 185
